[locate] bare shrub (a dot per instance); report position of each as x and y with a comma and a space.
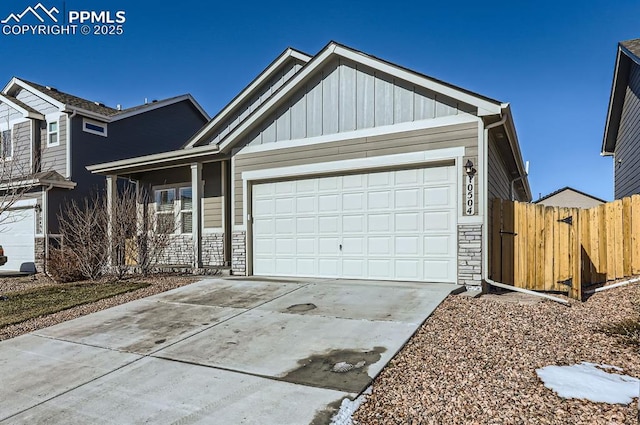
63, 265
84, 233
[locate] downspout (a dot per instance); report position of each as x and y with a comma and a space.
485, 234
69, 119
45, 223
513, 186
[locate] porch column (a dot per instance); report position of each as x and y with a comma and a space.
226, 219
111, 189
196, 214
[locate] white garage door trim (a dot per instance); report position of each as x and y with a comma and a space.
17, 236
424, 158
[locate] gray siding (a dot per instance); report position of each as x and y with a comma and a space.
499, 184
7, 113
345, 96
22, 148
288, 70
212, 214
627, 151
410, 141
54, 158
36, 102
570, 199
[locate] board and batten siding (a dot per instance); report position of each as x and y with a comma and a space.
345, 96
288, 70
54, 158
465, 135
499, 183
36, 102
627, 151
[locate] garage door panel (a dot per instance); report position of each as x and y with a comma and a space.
306, 225
284, 205
407, 246
353, 202
353, 223
443, 245
328, 203
265, 189
380, 200
353, 246
438, 197
306, 246
379, 245
284, 226
393, 225
407, 198
407, 222
408, 177
408, 269
330, 224
379, 223
439, 270
354, 268
379, 268
438, 221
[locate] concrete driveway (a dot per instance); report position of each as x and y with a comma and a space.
220, 351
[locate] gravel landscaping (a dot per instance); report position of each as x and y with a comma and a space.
157, 284
474, 361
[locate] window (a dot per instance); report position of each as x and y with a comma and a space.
186, 208
165, 210
52, 129
6, 145
94, 127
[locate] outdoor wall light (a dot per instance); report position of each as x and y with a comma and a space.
468, 167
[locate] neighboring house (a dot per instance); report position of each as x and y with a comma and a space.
49, 137
622, 129
569, 197
338, 165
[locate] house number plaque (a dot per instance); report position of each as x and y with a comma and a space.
470, 196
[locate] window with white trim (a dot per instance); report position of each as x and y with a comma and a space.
6, 144
186, 210
52, 134
165, 214
94, 127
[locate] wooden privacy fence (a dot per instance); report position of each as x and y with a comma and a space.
564, 249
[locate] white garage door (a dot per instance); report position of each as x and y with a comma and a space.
17, 233
395, 225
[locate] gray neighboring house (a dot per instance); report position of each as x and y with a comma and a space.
622, 129
50, 136
339, 165
569, 197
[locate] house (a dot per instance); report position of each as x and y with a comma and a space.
48, 138
338, 165
622, 131
568, 197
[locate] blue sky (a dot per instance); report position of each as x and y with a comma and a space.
553, 61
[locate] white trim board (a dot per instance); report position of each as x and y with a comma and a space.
462, 118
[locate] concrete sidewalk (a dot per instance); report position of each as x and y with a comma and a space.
221, 351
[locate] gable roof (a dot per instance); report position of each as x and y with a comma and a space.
571, 189
20, 106
252, 89
483, 105
94, 109
628, 55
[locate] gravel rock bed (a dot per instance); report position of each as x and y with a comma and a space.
158, 284
474, 360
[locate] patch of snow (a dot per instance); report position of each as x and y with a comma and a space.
591, 382
347, 409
